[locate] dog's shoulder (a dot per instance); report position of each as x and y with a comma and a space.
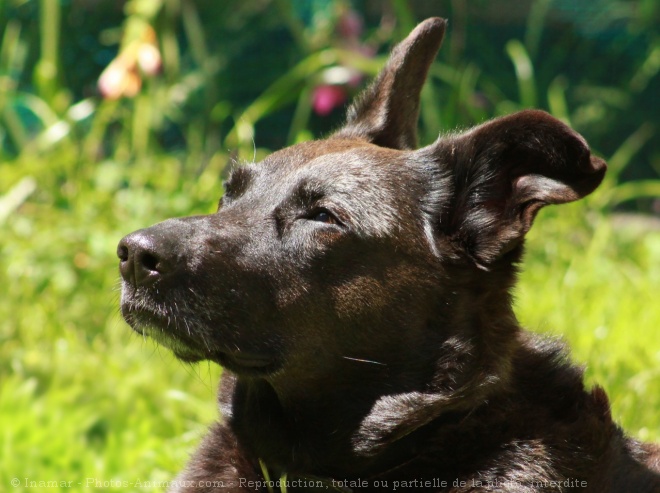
546, 432
572, 423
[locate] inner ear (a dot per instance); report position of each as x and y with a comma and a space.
386, 113
504, 171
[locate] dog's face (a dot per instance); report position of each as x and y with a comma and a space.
307, 248
351, 250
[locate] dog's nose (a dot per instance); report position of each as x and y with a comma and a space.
143, 259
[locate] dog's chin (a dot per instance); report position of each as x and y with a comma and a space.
147, 324
240, 362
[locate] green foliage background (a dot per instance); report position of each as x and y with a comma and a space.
82, 399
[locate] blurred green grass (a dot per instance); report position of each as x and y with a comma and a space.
82, 397
593, 280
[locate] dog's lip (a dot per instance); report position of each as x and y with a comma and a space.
248, 360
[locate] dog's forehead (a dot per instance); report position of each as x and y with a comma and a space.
342, 163
307, 155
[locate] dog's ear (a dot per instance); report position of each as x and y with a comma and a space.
386, 113
503, 172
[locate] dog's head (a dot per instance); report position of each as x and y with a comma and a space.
358, 250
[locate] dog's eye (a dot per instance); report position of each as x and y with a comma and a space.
323, 216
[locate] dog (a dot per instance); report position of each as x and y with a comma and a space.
357, 290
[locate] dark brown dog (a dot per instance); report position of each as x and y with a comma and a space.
358, 291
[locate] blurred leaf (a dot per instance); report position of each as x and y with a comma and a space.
16, 196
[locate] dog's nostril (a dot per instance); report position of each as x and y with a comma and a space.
149, 261
122, 252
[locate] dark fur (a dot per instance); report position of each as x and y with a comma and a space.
358, 292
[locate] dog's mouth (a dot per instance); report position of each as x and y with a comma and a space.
191, 347
245, 363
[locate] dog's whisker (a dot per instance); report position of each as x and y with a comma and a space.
360, 360
201, 334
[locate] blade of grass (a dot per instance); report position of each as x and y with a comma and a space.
12, 59
647, 71
430, 115
524, 72
296, 27
301, 115
631, 146
404, 16
47, 69
633, 190
535, 23
466, 89
557, 99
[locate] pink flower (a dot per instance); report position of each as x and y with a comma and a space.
139, 57
148, 58
326, 98
119, 79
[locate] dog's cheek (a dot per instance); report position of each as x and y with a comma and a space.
357, 297
378, 295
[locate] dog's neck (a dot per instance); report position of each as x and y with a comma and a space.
296, 426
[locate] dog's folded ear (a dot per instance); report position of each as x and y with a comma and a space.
503, 172
386, 113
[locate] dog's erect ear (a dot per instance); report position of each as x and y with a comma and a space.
503, 172
386, 113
